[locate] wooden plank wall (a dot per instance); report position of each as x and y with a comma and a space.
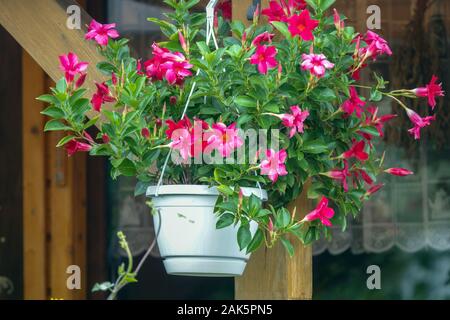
55, 186
271, 273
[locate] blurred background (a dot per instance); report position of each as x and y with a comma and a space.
46, 198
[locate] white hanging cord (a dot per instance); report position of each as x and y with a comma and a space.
209, 34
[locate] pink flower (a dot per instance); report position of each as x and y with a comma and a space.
376, 46
365, 176
353, 104
296, 120
71, 67
264, 57
263, 37
322, 212
418, 122
431, 91
176, 71
302, 25
374, 189
177, 133
172, 66
339, 24
316, 64
224, 139
101, 32
74, 146
182, 41
357, 151
225, 7
340, 175
274, 165
378, 122
114, 80
101, 96
399, 172
80, 81
275, 12
281, 11
181, 141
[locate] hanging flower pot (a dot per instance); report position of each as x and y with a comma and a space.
289, 106
187, 237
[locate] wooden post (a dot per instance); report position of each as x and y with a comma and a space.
33, 164
271, 273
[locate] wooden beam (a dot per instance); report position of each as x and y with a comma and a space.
67, 211
33, 164
40, 28
271, 273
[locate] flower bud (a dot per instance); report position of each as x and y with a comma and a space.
399, 172
106, 138
145, 133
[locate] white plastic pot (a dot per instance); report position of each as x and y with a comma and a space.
188, 240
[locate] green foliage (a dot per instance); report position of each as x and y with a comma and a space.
230, 89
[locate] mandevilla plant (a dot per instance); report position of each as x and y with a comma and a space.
295, 76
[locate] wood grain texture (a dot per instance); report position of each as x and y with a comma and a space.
33, 163
67, 214
271, 273
40, 28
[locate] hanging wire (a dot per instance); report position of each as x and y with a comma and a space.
209, 34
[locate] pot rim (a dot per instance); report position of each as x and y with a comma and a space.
198, 189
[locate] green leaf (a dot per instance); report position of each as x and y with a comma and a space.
141, 188
313, 4
127, 168
229, 206
191, 4
64, 140
105, 286
376, 95
244, 236
288, 246
370, 130
56, 125
283, 218
282, 27
225, 220
48, 98
256, 242
324, 94
238, 28
315, 147
106, 68
325, 4
243, 119
53, 112
76, 95
225, 190
61, 85
80, 105
91, 122
245, 101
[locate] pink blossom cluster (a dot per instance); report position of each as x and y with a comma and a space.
172, 66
